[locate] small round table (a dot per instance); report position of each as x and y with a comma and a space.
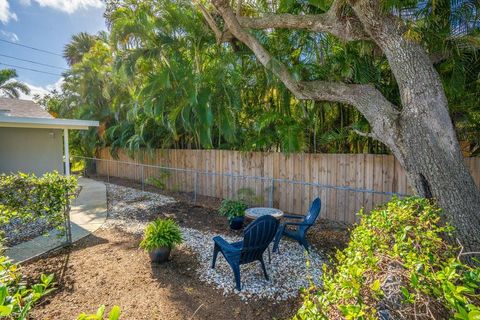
254, 213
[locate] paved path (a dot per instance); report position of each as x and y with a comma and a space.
88, 213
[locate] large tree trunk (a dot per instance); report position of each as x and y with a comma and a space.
419, 132
438, 171
426, 142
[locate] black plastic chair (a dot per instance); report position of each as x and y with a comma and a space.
256, 239
301, 228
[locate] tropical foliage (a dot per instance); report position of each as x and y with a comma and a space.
159, 79
398, 263
9, 87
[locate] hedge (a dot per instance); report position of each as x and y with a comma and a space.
29, 197
398, 265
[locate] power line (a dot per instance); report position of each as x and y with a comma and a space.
32, 48
29, 69
34, 62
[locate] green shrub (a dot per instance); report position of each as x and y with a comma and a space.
398, 260
160, 181
248, 195
113, 315
16, 298
29, 197
161, 233
232, 208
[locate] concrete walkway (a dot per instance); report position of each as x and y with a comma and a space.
87, 214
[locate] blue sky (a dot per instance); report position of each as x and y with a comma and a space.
47, 25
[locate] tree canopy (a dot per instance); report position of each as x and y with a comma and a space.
9, 87
160, 79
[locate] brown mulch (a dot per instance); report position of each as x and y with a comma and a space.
108, 268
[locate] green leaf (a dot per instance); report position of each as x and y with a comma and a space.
6, 310
114, 313
375, 286
474, 315
3, 293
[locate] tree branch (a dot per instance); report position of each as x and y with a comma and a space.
221, 36
348, 30
380, 113
365, 134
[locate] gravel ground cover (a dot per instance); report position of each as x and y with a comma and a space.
17, 230
131, 209
287, 271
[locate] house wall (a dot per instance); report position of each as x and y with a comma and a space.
31, 150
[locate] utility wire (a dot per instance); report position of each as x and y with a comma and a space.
29, 69
34, 62
32, 48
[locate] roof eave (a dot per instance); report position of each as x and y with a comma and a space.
46, 123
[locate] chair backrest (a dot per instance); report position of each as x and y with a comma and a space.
257, 236
312, 215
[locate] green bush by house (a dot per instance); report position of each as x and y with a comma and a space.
29, 197
398, 264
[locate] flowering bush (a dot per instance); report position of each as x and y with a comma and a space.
398, 265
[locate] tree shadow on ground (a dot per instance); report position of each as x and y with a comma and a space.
57, 262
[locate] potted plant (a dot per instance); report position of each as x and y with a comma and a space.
234, 210
160, 238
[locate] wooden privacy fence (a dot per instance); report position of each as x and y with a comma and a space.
344, 182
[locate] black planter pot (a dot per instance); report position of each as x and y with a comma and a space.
236, 223
160, 255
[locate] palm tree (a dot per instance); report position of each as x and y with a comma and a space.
11, 88
80, 44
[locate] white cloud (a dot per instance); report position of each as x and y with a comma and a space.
5, 13
25, 2
38, 90
9, 35
68, 6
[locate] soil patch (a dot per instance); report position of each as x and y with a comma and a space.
108, 268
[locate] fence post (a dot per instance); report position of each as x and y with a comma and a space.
195, 182
143, 182
68, 226
270, 196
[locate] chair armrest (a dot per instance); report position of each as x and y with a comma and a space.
224, 245
289, 216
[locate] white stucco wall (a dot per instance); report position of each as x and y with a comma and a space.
31, 150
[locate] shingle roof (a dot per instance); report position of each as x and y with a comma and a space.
23, 108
